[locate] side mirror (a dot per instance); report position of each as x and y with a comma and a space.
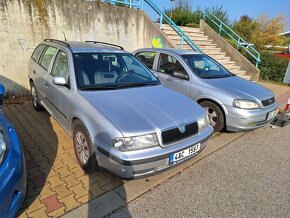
2, 91
180, 75
59, 81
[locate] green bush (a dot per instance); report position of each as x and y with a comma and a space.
183, 17
273, 68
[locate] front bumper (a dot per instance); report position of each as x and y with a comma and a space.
13, 178
245, 120
137, 164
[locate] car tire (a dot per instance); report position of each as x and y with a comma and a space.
83, 148
34, 97
216, 115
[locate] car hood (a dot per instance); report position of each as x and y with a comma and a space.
144, 110
240, 88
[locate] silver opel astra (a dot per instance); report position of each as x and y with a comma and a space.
118, 114
230, 101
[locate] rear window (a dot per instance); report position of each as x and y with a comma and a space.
47, 56
37, 52
147, 57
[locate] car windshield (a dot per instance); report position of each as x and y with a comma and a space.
111, 71
205, 67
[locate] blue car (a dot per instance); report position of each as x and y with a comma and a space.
13, 178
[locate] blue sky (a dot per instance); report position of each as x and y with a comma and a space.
236, 9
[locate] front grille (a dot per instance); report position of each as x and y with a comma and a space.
176, 134
268, 102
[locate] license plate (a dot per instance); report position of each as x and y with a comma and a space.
272, 114
181, 155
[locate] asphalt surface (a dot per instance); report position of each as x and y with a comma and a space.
249, 177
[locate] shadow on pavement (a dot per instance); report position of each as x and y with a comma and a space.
39, 143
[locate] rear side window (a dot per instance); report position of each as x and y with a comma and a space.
47, 56
37, 52
147, 57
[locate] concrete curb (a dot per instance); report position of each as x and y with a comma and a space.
132, 189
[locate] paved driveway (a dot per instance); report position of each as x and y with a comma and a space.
56, 183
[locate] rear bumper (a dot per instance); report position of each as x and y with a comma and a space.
149, 161
246, 120
13, 179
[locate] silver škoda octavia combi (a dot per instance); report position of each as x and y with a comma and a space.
118, 114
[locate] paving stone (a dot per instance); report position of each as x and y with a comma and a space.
85, 180
69, 202
55, 181
78, 171
79, 191
95, 190
46, 192
64, 172
85, 199
34, 204
38, 181
52, 203
57, 213
62, 191
71, 181
38, 213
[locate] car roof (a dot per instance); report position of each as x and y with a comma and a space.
169, 50
86, 47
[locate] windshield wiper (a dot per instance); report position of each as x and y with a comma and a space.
137, 84
98, 87
215, 77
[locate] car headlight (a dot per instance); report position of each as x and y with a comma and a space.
203, 123
245, 104
3, 148
136, 143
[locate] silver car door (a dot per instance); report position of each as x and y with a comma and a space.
172, 74
57, 95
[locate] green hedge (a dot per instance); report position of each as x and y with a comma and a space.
273, 68
182, 17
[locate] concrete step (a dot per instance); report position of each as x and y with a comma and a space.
190, 29
173, 33
231, 67
220, 57
201, 44
225, 62
200, 38
239, 72
184, 29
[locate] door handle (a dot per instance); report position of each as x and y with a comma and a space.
34, 72
46, 84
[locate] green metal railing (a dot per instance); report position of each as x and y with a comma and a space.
223, 28
164, 17
139, 4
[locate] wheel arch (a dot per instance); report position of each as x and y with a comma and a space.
218, 103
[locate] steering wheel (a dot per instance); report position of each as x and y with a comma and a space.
123, 75
206, 68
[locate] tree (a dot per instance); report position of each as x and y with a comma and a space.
245, 28
221, 14
267, 31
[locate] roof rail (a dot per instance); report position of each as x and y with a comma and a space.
96, 42
58, 41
